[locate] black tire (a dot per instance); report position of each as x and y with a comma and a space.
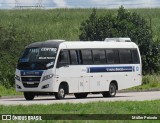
80, 95
61, 93
111, 92
29, 95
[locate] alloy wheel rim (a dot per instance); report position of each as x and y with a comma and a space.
61, 92
112, 90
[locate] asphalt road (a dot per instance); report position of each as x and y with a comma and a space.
129, 96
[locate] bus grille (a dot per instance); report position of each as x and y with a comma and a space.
30, 82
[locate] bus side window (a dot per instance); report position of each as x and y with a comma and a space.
116, 56
135, 56
73, 57
112, 56
99, 56
63, 58
86, 56
125, 56
79, 56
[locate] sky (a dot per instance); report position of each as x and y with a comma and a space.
10, 4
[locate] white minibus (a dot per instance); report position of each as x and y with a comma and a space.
58, 67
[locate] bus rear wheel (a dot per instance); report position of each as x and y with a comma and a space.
80, 95
111, 92
61, 93
29, 95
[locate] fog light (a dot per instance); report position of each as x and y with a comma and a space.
45, 86
19, 87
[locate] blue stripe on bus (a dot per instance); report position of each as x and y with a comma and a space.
31, 72
111, 69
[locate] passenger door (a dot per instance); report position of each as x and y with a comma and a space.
97, 80
85, 60
66, 72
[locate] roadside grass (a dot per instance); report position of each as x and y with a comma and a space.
8, 91
118, 107
149, 82
126, 107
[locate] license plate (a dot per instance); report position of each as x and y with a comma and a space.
30, 83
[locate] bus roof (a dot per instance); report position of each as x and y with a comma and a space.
48, 43
82, 44
96, 44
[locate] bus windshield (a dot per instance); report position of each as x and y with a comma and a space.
41, 58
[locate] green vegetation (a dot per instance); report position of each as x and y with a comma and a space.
149, 82
8, 91
127, 107
19, 28
124, 24
64, 23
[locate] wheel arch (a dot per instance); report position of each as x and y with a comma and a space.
65, 85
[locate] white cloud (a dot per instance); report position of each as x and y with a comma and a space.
60, 3
148, 3
7, 3
125, 3
12, 3
85, 3
25, 1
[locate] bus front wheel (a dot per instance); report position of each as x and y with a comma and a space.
29, 95
111, 92
61, 93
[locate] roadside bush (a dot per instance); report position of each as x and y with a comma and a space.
12, 41
151, 80
124, 24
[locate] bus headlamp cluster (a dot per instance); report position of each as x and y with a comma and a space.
17, 77
47, 77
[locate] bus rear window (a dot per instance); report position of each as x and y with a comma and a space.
135, 57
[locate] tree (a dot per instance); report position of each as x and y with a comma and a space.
124, 24
11, 46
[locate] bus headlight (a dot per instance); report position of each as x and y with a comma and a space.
17, 77
47, 77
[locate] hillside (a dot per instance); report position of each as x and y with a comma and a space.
63, 23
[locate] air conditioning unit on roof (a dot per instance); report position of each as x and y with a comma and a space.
117, 40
